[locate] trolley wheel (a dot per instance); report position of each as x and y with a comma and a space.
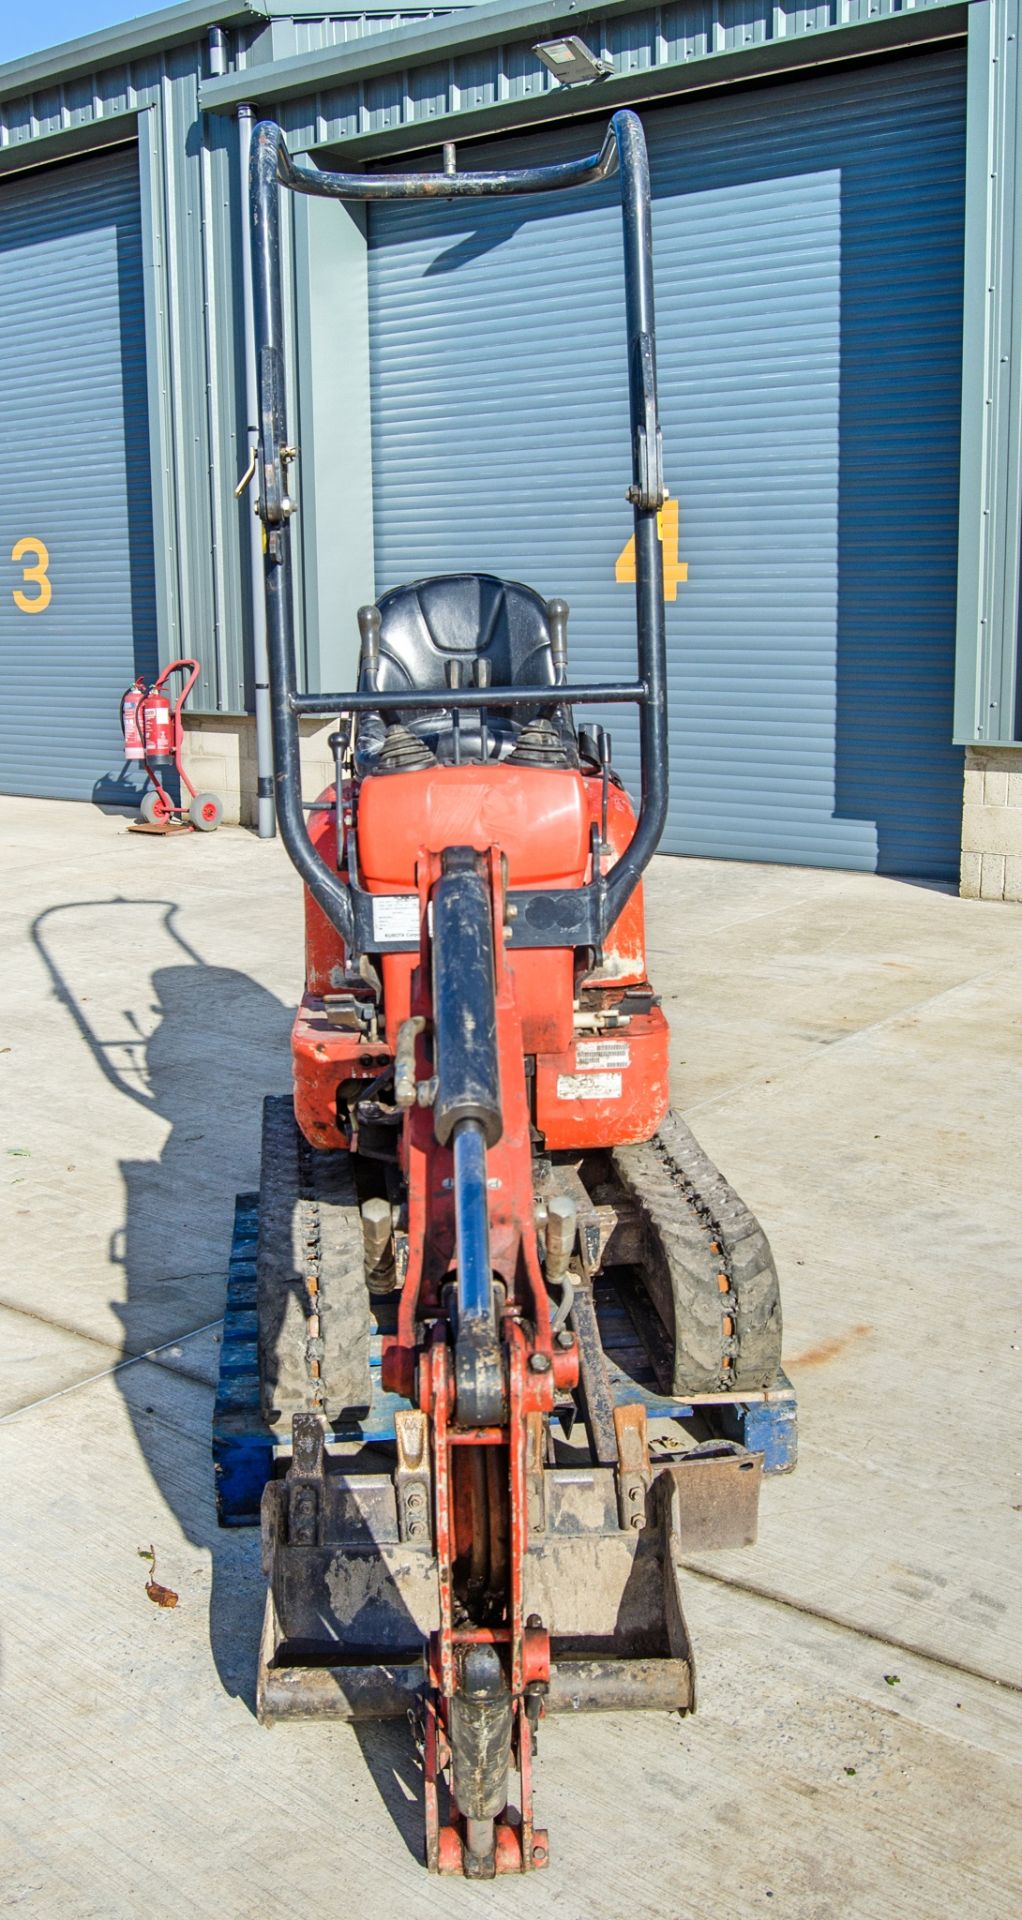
205, 812
152, 809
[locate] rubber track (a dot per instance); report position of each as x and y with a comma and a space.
310, 1229
707, 1267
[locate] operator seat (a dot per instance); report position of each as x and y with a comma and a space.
455, 621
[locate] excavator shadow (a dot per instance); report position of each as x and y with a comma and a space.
394, 1764
176, 1039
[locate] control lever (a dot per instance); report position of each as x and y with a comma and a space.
369, 624
557, 618
453, 674
484, 678
605, 752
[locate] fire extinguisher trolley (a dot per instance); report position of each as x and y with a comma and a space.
154, 733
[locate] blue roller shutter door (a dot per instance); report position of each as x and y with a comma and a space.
75, 476
809, 264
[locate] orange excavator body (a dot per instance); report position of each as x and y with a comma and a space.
587, 1091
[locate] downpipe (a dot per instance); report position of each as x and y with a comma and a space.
266, 818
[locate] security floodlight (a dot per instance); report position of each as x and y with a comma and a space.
571, 61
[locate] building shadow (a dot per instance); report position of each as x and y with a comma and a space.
902, 267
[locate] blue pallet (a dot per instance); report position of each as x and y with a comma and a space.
769, 1427
244, 1449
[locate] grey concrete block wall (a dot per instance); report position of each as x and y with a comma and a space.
220, 757
992, 824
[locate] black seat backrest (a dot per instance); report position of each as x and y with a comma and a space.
465, 617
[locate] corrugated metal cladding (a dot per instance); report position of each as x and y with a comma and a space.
808, 272
477, 78
194, 209
77, 603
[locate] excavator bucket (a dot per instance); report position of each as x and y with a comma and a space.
353, 1597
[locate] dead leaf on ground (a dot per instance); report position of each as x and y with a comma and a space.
160, 1596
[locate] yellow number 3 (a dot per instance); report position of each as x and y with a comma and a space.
36, 575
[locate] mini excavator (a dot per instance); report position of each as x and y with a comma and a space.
495, 1273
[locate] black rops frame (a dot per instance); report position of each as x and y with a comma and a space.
540, 918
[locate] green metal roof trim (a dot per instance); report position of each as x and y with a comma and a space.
476, 72
173, 26
492, 26
286, 9
168, 27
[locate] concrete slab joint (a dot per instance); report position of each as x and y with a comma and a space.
992, 824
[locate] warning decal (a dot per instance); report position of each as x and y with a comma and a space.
589, 1086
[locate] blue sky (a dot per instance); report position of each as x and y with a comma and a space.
29, 28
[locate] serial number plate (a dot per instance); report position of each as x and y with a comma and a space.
396, 916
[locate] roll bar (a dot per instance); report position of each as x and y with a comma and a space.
552, 917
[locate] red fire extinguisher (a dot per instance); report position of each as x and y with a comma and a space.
154, 733
157, 726
134, 747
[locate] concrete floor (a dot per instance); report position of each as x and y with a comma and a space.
850, 1050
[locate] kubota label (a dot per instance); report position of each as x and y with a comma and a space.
396, 916
602, 1053
589, 1086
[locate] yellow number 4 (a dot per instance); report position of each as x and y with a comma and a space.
35, 576
674, 569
